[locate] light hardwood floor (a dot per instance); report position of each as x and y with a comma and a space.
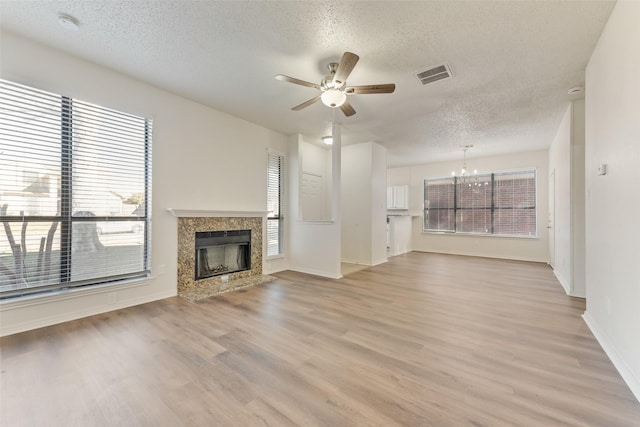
347, 268
423, 340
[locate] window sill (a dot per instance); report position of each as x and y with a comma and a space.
316, 222
60, 295
499, 236
275, 257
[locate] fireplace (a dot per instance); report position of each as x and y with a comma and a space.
217, 232
222, 252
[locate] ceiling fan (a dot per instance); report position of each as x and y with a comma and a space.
334, 86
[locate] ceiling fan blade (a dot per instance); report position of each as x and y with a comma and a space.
284, 78
382, 88
348, 61
347, 109
306, 103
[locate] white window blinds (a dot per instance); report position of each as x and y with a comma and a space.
501, 203
439, 205
74, 192
275, 218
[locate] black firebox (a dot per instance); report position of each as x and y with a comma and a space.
222, 252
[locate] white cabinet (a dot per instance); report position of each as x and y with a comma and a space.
398, 197
398, 235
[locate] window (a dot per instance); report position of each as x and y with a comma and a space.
439, 205
74, 192
275, 226
498, 203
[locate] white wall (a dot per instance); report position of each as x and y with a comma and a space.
566, 163
578, 252
613, 200
399, 176
378, 204
364, 203
356, 204
314, 246
317, 161
560, 167
528, 249
202, 159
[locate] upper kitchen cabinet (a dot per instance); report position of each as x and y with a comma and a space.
398, 197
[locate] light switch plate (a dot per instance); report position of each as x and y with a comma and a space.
602, 169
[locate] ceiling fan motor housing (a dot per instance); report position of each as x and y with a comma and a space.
328, 81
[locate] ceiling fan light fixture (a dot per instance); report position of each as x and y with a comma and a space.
334, 88
333, 98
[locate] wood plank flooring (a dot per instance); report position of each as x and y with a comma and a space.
423, 340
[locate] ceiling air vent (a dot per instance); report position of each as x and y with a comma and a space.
434, 74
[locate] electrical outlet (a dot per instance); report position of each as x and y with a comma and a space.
224, 278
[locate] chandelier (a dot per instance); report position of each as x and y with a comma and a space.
464, 176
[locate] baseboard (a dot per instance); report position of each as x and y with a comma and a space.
625, 372
78, 314
377, 262
380, 261
575, 295
275, 264
511, 258
565, 286
316, 273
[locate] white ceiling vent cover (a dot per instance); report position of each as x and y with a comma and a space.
434, 74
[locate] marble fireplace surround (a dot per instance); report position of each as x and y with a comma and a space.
192, 221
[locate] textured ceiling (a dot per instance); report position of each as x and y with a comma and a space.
512, 62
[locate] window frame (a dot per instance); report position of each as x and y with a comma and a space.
493, 208
65, 217
280, 217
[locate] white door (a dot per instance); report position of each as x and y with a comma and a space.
311, 203
551, 218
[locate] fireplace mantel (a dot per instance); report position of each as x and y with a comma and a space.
206, 213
